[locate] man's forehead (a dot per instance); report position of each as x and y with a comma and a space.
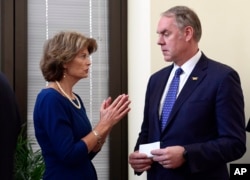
165, 24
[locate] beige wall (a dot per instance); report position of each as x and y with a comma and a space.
225, 38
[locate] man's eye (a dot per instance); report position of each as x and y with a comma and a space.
165, 34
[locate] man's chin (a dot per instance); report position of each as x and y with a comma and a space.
168, 60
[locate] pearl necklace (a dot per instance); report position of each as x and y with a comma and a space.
66, 95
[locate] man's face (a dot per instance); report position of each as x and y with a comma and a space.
171, 39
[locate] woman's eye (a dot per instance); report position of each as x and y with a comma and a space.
85, 56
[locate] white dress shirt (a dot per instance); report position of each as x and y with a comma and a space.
187, 68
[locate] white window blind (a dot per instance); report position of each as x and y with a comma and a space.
47, 17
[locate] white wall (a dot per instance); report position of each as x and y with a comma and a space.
225, 38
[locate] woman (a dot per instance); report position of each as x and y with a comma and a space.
62, 127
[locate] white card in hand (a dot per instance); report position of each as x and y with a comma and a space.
147, 148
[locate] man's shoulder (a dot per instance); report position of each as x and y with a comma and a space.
214, 65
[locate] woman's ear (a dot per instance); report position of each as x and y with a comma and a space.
65, 66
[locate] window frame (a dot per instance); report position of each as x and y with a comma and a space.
118, 84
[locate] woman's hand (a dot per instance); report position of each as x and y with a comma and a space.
112, 112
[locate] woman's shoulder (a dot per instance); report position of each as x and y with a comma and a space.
49, 94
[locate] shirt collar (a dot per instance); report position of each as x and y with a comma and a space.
189, 65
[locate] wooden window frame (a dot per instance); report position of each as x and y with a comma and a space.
118, 84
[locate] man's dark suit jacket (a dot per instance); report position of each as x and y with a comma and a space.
207, 119
248, 126
9, 128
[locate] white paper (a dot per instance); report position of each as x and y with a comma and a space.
147, 148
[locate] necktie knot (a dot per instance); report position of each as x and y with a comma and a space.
178, 72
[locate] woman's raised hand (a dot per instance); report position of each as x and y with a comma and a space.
112, 112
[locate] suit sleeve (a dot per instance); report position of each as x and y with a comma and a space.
143, 135
9, 129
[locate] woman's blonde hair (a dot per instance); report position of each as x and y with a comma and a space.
63, 48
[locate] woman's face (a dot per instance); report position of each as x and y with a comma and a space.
78, 68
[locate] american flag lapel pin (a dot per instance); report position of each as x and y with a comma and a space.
195, 78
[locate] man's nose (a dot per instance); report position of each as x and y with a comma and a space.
160, 40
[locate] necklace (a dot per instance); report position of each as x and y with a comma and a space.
67, 96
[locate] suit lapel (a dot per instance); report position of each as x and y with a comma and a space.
195, 78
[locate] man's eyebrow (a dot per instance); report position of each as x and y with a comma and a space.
162, 32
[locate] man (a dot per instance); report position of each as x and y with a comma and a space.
9, 128
206, 126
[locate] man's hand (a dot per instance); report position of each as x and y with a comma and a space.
169, 157
139, 161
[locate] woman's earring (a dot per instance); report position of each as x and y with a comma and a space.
64, 75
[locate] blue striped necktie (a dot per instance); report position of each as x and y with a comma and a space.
170, 98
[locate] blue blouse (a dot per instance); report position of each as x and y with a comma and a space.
59, 127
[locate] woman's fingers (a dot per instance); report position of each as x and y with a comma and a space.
115, 111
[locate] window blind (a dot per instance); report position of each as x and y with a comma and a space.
47, 17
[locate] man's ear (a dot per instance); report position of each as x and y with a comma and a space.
188, 33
